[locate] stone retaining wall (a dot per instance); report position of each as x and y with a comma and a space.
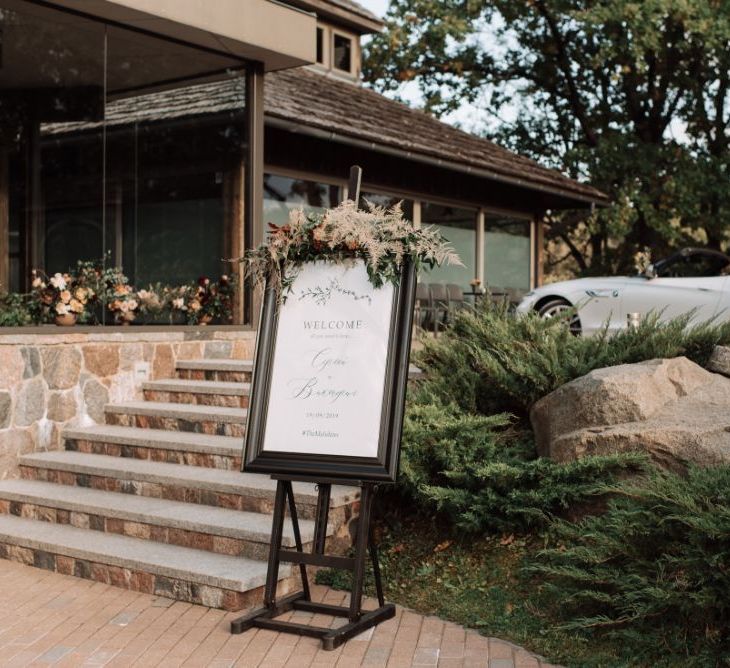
50, 380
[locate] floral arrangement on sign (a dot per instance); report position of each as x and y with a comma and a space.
62, 298
381, 237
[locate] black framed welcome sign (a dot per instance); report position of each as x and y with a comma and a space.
330, 374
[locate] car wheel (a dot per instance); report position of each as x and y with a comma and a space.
560, 309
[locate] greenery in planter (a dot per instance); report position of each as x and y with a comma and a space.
14, 310
206, 300
86, 292
61, 295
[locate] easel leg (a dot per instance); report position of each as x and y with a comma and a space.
270, 608
376, 569
361, 549
272, 574
297, 538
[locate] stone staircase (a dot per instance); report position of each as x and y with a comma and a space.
154, 500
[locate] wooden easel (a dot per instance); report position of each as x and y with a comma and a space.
358, 619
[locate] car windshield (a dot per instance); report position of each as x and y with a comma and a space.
694, 265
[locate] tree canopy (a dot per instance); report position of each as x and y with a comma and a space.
629, 95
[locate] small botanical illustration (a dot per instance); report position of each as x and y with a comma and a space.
321, 296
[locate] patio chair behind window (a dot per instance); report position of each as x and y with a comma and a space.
440, 301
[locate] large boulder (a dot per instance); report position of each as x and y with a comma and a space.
674, 410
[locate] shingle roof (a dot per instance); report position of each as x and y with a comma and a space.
312, 100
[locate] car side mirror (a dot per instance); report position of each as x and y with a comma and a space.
650, 271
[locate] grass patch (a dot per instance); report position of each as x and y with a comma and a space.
476, 582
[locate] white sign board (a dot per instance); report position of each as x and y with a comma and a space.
329, 365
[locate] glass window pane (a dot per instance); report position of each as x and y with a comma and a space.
320, 45
388, 201
507, 253
283, 194
343, 53
51, 77
459, 227
173, 158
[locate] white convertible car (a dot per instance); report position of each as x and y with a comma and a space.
691, 279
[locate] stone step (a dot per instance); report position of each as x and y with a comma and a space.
173, 447
200, 392
219, 420
219, 530
227, 370
193, 484
196, 576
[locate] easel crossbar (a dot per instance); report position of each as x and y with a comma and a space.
344, 563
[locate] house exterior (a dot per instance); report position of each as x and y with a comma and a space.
162, 135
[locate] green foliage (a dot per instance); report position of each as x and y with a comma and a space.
489, 362
14, 310
632, 96
653, 571
483, 475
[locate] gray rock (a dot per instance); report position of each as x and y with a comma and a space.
31, 403
720, 360
61, 406
6, 409
61, 366
673, 410
218, 349
32, 360
96, 396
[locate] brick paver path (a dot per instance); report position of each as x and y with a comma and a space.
51, 619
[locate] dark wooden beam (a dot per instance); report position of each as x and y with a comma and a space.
254, 177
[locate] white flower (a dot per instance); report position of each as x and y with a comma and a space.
38, 282
178, 303
62, 309
58, 281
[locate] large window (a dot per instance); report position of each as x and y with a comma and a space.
282, 194
507, 251
115, 146
459, 227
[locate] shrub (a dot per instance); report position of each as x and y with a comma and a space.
490, 362
654, 570
484, 474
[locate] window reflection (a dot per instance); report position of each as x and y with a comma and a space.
507, 253
459, 227
342, 59
140, 177
283, 194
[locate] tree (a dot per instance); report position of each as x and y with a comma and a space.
630, 95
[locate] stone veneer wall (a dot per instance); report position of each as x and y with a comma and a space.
65, 377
